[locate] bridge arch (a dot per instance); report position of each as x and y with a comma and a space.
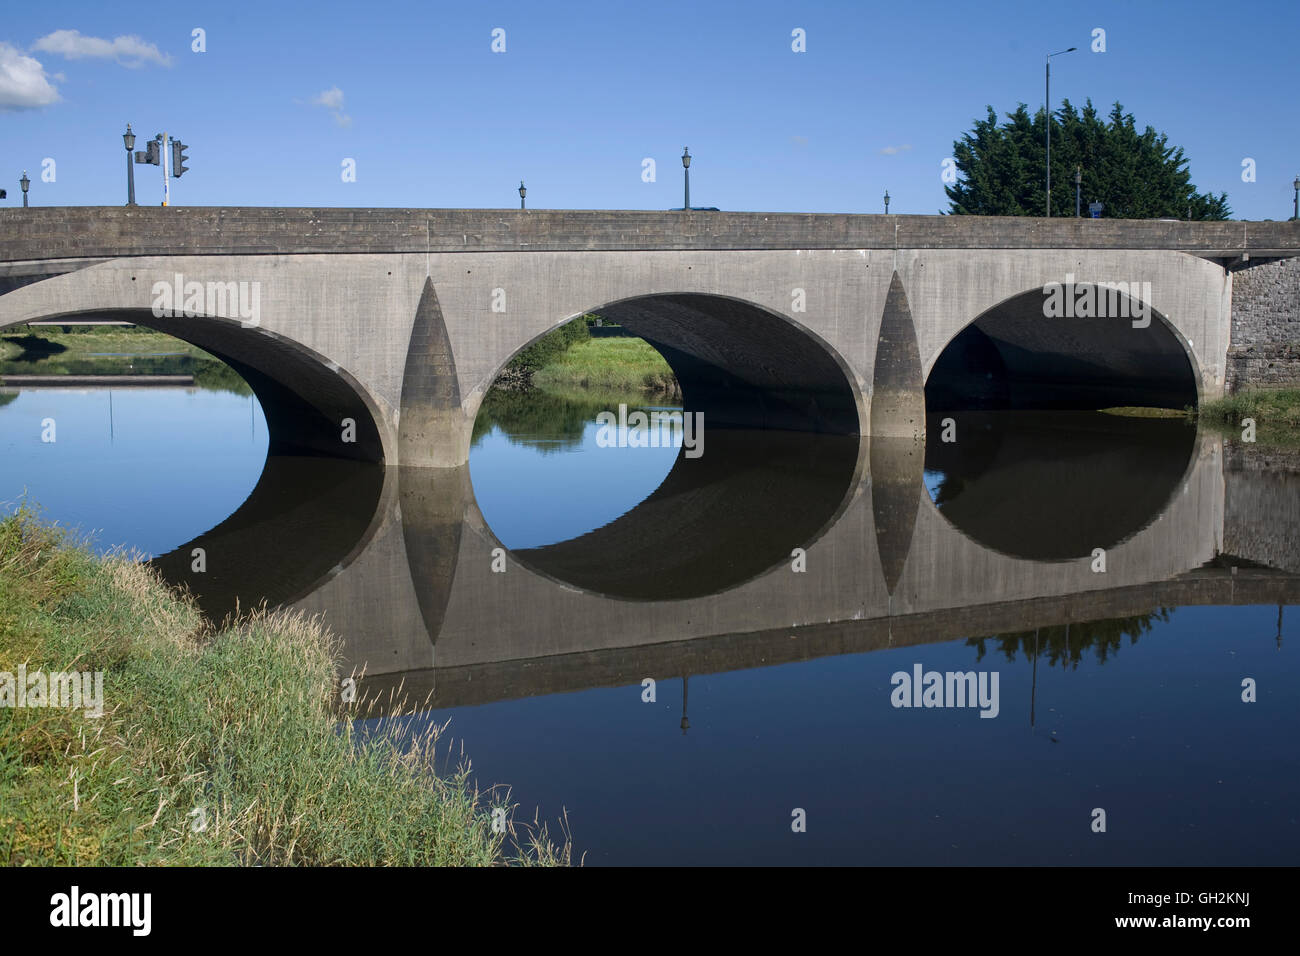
1076, 346
737, 511
739, 363
305, 397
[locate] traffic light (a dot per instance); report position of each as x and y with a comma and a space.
152, 153
179, 158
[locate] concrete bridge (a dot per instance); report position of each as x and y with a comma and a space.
399, 320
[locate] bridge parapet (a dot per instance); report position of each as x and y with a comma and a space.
110, 231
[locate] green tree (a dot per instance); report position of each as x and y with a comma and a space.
1136, 175
545, 350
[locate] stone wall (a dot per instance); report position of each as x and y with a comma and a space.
1264, 349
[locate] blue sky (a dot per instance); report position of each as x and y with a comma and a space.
584, 92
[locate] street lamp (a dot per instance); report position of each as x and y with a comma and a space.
1296, 186
886, 202
686, 166
1078, 186
128, 138
24, 182
1048, 84
522, 193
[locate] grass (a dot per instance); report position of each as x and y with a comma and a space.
1276, 413
46, 350
616, 364
105, 338
236, 729
1274, 410
1138, 411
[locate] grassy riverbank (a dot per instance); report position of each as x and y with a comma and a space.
82, 341
1141, 411
1276, 411
622, 364
112, 350
568, 359
214, 747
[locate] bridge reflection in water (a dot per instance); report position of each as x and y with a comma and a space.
700, 577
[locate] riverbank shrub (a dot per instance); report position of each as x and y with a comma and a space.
546, 349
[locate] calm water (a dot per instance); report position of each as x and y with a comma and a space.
1118, 689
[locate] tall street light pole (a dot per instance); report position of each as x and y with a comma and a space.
686, 167
1296, 185
522, 193
25, 183
165, 151
128, 138
1078, 188
1048, 79
886, 202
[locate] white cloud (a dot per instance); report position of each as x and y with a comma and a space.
129, 51
332, 100
24, 84
895, 150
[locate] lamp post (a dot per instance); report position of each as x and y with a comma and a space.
1296, 186
522, 193
1078, 186
686, 167
165, 155
886, 202
128, 138
1048, 84
24, 182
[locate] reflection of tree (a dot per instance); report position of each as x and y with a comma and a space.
5, 399
215, 376
547, 421
33, 348
1065, 644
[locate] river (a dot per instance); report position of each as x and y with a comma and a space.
727, 659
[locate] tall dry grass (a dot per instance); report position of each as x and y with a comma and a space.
216, 747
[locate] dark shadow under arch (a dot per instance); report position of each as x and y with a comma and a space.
742, 365
1013, 356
